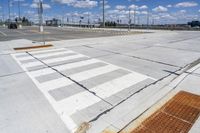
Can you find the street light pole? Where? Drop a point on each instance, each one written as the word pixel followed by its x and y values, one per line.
pixel 103 13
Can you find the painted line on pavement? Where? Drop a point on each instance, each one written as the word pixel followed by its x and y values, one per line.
pixel 3 33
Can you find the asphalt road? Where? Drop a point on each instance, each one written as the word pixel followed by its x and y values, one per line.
pixel 55 33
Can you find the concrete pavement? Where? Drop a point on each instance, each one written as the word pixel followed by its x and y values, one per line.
pixel 105 82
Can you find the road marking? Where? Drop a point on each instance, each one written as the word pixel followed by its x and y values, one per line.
pixel 47 61
pixel 3 33
pixel 79 101
pixel 59 59
pixel 47 71
pixel 70 124
pixel 45 51
pixel 41 72
pixel 25 58
pixel 93 72
pixel 20 32
pixel 32 64
pixel 53 54
pixel 61 82
pixel 45 55
pixel 56 83
pixel 112 87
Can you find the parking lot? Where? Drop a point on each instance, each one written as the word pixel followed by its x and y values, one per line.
pixel 56 33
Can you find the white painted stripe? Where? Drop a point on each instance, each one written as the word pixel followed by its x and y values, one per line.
pixel 61 82
pixel 54 84
pixel 46 71
pixel 62 58
pixel 53 54
pixel 77 64
pixel 42 72
pixel 83 100
pixel 3 33
pixel 32 64
pixel 71 125
pixel 20 32
pixel 45 55
pixel 54 60
pixel 45 51
pixel 77 102
pixel 112 87
pixel 93 72
pixel 28 57
pixel 19 54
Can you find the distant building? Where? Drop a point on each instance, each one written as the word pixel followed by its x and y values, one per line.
pixel 194 23
pixel 53 22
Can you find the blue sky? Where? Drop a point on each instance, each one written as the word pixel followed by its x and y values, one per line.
pixel 159 11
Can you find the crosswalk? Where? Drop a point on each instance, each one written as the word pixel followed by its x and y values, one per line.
pixel 71 87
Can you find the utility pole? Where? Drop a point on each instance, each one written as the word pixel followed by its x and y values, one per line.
pixel 148 19
pixel 63 17
pixel 2 9
pixel 103 13
pixel 88 20
pixel 19 9
pixel 9 11
pixel 138 20
pixel 199 14
pixel 40 12
pixel 134 15
pixel 129 20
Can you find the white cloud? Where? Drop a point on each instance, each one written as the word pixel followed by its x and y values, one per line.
pixel 169 6
pixel 186 4
pixel 85 4
pixel 24 4
pixel 36 1
pixel 182 11
pixel 160 9
pixel 45 6
pixel 133 7
pixel 78 3
pixel 120 7
pixel 144 12
pixel 107 6
pixel 18 0
pixel 143 7
pixel 65 1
